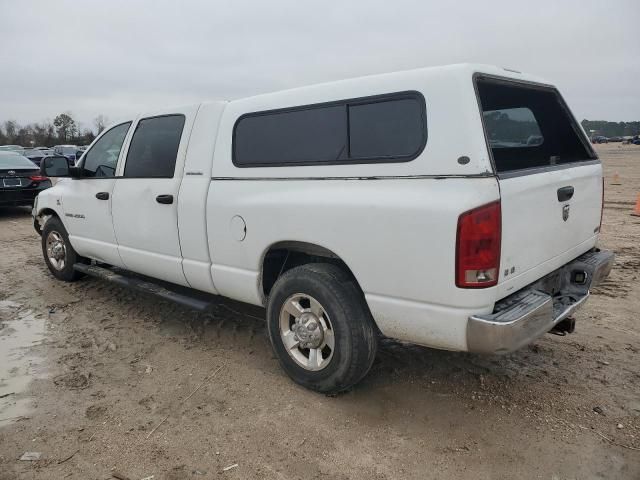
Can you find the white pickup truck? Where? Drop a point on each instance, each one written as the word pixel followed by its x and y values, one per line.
pixel 454 207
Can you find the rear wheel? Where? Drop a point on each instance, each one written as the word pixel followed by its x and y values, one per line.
pixel 320 328
pixel 58 253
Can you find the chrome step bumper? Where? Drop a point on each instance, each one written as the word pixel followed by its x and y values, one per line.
pixel 530 313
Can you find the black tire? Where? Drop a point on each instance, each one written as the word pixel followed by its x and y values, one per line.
pixel 52 228
pixel 354 334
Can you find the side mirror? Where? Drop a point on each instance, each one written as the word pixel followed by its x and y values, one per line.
pixel 55 166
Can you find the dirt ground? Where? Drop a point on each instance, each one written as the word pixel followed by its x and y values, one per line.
pixel 103 382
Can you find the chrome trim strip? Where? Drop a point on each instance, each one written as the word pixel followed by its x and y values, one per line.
pixel 385 177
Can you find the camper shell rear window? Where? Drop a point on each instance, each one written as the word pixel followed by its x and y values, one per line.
pixel 528 126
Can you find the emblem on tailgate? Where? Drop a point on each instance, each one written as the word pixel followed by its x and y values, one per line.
pixel 11 173
pixel 565 212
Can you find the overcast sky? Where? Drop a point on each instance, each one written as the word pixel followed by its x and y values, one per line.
pixel 117 57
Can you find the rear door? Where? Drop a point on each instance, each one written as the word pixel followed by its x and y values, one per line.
pixel 145 196
pixel 550 179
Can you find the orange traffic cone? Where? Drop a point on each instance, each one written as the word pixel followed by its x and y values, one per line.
pixel 636 211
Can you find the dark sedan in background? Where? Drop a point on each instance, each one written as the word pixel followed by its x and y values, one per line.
pixel 37 154
pixel 20 180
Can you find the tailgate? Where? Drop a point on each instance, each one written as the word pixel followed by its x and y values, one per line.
pixel 538 228
pixel 550 179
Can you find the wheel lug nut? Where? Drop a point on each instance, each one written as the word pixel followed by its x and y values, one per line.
pixel 311 326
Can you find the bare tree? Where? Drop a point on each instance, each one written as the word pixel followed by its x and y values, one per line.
pixel 100 122
pixel 11 130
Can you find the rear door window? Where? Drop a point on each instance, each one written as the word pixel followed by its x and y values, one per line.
pixel 154 147
pixel 529 126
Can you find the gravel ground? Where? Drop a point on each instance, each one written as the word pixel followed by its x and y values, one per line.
pixel 105 382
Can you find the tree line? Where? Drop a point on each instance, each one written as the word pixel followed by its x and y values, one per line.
pixel 64 129
pixel 611 129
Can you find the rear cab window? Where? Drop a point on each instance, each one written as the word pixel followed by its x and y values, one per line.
pixel 528 126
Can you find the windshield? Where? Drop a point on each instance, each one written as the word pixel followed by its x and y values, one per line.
pixel 13 160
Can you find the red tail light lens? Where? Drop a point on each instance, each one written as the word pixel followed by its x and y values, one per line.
pixel 38 178
pixel 478 247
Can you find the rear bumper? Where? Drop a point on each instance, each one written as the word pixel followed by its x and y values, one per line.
pixel 530 313
pixel 22 196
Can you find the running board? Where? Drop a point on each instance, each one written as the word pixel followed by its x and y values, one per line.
pixel 144 286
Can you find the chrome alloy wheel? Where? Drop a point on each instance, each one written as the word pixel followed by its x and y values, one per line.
pixel 56 250
pixel 306 332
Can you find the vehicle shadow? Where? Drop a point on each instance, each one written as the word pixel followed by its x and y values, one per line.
pixel 400 371
pixel 237 326
pixel 14 213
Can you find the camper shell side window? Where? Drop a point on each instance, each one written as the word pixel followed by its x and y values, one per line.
pixel 383 128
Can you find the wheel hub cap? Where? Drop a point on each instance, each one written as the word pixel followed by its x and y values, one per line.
pixel 306 332
pixel 56 250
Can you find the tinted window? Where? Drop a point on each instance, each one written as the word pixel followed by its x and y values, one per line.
pixel 101 160
pixel 512 127
pixel 310 136
pixel 384 128
pixel 529 126
pixel 154 147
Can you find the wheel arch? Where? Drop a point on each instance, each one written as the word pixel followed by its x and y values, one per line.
pixel 42 216
pixel 284 255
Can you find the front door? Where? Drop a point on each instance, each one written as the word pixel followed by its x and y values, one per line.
pixel 86 200
pixel 145 196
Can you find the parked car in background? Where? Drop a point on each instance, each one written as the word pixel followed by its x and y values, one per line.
pixel 79 153
pixel 599 139
pixel 20 180
pixel 69 151
pixel 636 140
pixel 615 139
pixel 11 148
pixel 37 154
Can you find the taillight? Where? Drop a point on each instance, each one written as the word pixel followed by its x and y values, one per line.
pixel 38 178
pixel 478 247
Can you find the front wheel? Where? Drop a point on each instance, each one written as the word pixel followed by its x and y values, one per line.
pixel 320 327
pixel 58 253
